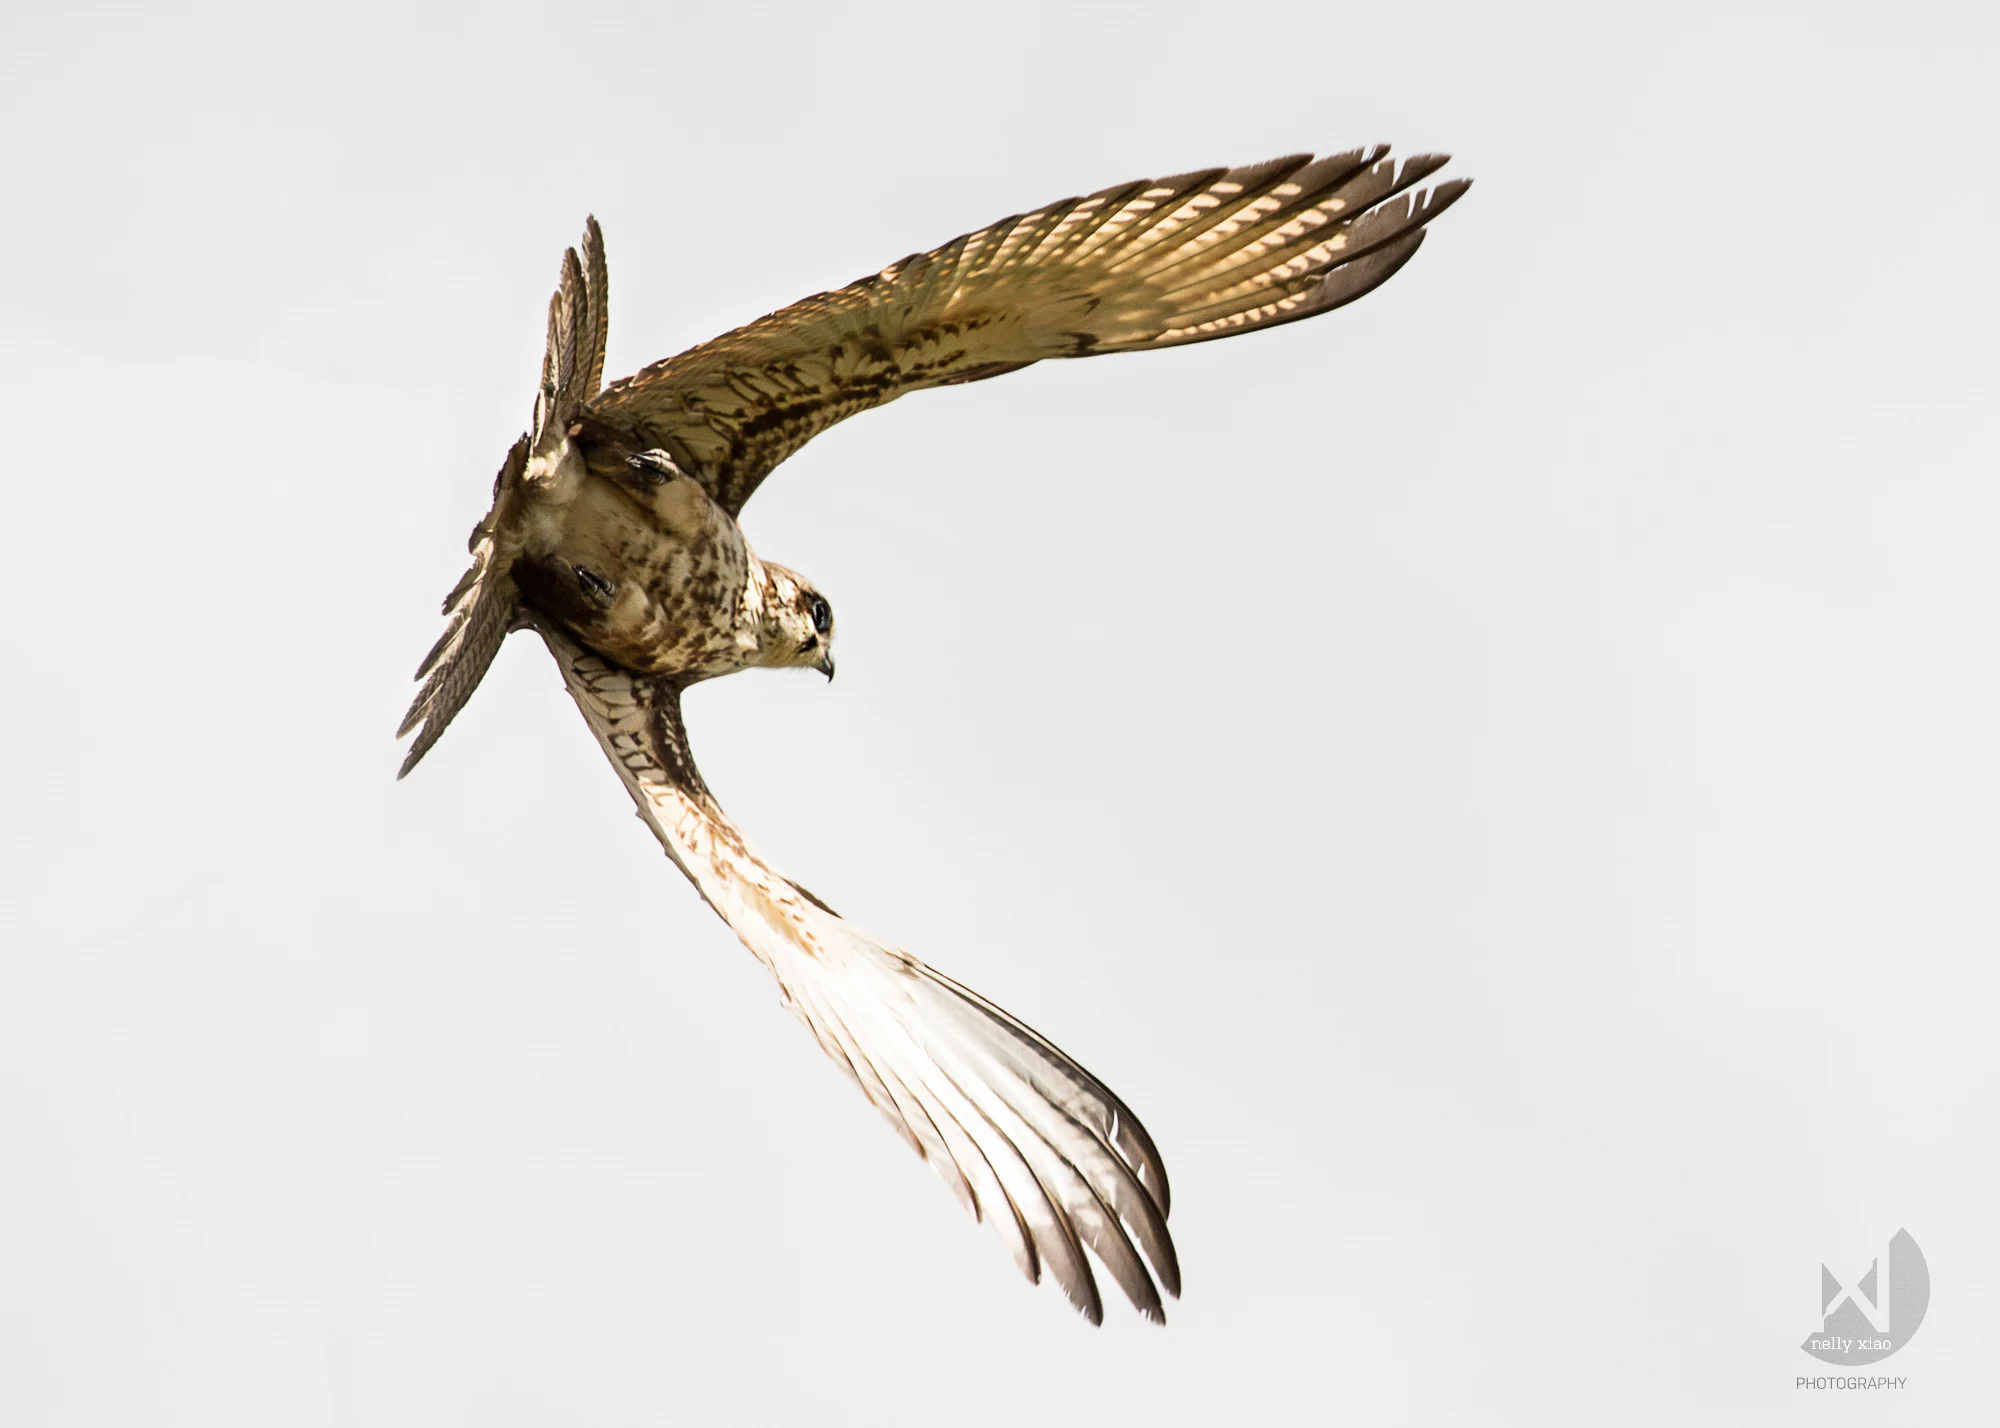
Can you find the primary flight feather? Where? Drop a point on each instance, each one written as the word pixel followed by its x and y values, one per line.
pixel 613 535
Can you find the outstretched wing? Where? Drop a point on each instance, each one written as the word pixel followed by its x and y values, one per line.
pixel 1027 1139
pixel 1154 263
pixel 480 609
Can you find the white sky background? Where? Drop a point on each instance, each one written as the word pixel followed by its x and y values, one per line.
pixel 1502 778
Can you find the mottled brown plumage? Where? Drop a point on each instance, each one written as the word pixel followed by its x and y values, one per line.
pixel 613 534
pixel 1153 263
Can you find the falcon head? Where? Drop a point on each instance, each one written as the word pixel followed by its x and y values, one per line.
pixel 797 630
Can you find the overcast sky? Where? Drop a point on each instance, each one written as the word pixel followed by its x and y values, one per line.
pixel 1501 778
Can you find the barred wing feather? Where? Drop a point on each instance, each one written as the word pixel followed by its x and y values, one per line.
pixel 1025 1138
pixel 1153 263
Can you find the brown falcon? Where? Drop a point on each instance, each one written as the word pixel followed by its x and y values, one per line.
pixel 613 535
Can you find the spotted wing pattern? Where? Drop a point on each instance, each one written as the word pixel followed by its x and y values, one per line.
pixel 481 608
pixel 1026 1139
pixel 1153 263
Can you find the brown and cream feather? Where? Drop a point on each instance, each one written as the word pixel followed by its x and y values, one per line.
pixel 1149 264
pixel 1027 1140
pixel 482 607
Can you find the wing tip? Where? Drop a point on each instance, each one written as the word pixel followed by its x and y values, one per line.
pixel 1090 1306
pixel 1444 196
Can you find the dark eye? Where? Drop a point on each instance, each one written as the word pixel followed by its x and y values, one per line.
pixel 822 614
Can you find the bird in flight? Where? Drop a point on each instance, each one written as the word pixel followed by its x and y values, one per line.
pixel 613 536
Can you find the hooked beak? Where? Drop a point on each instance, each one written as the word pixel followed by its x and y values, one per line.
pixel 825 665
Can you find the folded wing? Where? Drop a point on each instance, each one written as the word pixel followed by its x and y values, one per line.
pixel 1027 1140
pixel 1153 263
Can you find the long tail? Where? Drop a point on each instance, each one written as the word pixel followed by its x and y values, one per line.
pixel 482 607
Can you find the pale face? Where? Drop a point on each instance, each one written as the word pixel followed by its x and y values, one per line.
pixel 798 624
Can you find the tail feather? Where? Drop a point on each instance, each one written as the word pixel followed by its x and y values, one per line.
pixel 481 608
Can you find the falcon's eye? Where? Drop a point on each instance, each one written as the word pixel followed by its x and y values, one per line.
pixel 822 614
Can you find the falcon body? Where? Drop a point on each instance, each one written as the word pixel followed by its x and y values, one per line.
pixel 614 535
pixel 637 561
